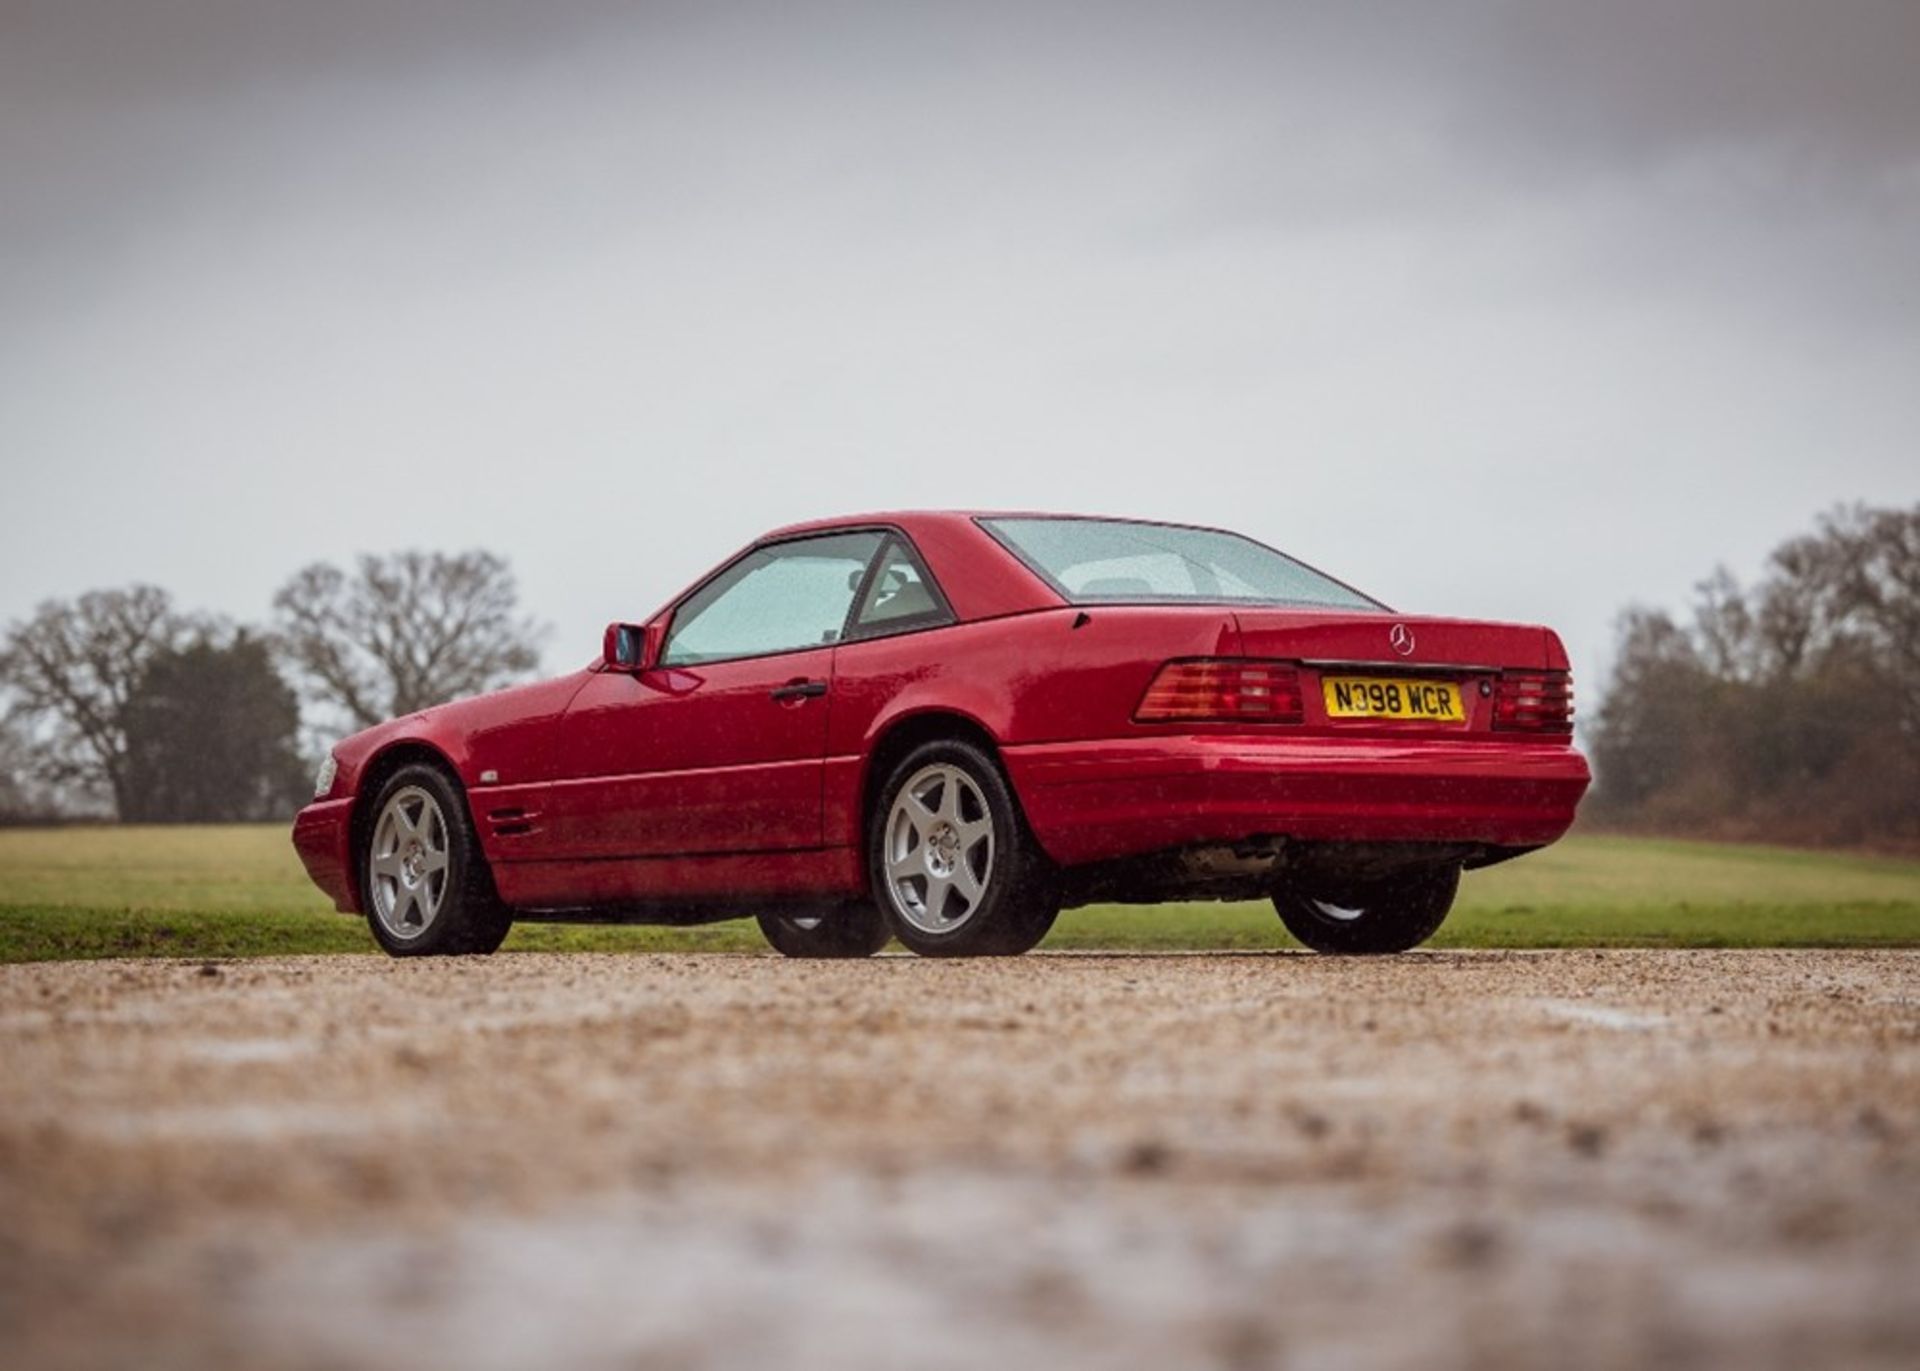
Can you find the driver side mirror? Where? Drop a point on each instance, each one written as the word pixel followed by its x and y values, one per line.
pixel 630 647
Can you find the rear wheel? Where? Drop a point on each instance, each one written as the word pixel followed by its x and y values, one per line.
pixel 1384 914
pixel 853 930
pixel 429 891
pixel 952 863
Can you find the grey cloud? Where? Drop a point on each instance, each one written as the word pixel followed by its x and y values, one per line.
pixel 1430 292
pixel 1826 87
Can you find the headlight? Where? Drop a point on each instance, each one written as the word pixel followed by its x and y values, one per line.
pixel 323 783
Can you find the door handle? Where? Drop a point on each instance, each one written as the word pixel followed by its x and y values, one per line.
pixel 799 689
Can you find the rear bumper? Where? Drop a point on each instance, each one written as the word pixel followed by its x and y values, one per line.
pixel 1093 801
pixel 322 835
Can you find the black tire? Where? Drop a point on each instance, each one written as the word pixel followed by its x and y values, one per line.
pixel 1027 925
pixel 1018 896
pixel 855 929
pixel 1390 914
pixel 467 919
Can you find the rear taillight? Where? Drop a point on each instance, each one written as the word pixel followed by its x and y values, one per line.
pixel 1534 702
pixel 1223 689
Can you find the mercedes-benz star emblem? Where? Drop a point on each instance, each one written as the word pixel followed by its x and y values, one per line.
pixel 1402 639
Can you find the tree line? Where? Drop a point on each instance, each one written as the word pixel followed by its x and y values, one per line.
pixel 1787 710
pixel 119 701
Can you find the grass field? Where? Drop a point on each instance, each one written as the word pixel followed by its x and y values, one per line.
pixel 239 891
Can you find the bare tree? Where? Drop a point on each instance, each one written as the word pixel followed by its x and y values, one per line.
pixel 1725 627
pixel 1852 587
pixel 21 797
pixel 1645 737
pixel 403 632
pixel 74 668
pixel 1788 711
pixel 1875 595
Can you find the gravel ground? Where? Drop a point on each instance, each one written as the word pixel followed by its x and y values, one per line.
pixel 1440 1160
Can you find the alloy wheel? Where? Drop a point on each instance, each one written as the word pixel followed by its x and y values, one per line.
pixel 408 864
pixel 939 849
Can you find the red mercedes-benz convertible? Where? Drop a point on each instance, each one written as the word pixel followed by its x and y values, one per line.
pixel 948 727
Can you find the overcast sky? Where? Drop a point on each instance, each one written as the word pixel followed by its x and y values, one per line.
pixel 1507 309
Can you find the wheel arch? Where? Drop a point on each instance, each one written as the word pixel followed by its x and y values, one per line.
pixel 1029 889
pixel 903 733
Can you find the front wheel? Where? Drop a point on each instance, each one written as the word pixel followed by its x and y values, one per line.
pixel 853 930
pixel 952 863
pixel 429 891
pixel 1388 914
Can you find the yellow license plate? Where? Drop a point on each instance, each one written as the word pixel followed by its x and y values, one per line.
pixel 1367 697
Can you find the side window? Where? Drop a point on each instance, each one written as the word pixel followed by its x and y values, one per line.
pixel 900 597
pixel 775 599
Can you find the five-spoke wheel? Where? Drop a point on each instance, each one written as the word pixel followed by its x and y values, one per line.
pixel 952 863
pixel 428 890
pixel 939 848
pixel 407 864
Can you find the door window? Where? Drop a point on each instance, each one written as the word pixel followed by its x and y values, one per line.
pixel 780 598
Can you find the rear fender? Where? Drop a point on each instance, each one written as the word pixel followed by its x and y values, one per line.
pixel 1054 675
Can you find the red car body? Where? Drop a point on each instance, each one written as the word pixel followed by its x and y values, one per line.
pixel 685 793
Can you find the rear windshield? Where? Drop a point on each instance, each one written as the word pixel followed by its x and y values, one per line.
pixel 1113 561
